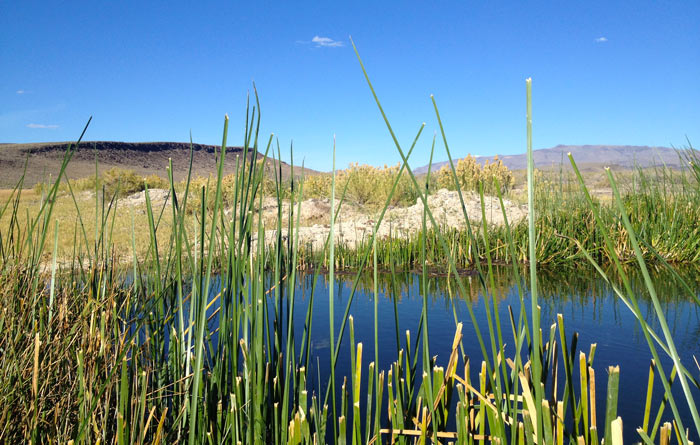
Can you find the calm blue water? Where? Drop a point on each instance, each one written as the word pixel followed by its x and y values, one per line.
pixel 585 300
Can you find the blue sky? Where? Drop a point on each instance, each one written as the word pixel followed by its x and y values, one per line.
pixel 603 73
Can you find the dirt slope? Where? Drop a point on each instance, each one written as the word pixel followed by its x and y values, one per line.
pixel 145 158
pixel 355 224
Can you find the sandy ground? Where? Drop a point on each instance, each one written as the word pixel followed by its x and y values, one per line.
pixel 355 224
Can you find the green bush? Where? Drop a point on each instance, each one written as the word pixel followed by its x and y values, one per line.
pixel 114 180
pixel 470 174
pixel 366 185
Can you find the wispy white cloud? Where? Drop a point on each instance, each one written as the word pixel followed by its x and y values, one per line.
pixel 601 39
pixel 43 126
pixel 20 91
pixel 326 42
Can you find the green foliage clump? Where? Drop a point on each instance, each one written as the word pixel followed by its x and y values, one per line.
pixel 117 180
pixel 317 186
pixel 126 182
pixel 366 185
pixel 470 174
pixel 369 185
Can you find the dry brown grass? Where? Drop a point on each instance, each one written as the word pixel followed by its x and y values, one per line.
pixel 5 194
pixel 71 235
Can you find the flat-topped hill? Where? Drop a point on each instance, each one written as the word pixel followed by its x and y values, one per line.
pixel 145 158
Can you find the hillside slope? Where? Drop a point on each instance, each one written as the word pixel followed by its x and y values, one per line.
pixel 145 158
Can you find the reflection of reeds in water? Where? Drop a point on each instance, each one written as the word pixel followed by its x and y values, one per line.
pixel 88 359
pixel 578 286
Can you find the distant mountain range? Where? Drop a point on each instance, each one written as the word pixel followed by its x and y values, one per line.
pixel 620 156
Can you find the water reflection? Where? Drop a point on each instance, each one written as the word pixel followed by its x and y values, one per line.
pixel 586 301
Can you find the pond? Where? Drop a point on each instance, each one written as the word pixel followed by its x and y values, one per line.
pixel 585 300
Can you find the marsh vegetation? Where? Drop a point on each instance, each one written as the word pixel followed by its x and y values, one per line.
pixel 177 325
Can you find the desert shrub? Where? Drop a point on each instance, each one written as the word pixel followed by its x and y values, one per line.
pixel 120 180
pixel 366 185
pixel 270 188
pixel 228 191
pixel 496 170
pixel 115 179
pixel 126 182
pixel 371 186
pixel 405 191
pixel 364 182
pixel 156 182
pixel 470 173
pixel 40 188
pixel 194 198
pixel 81 184
pixel 317 186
